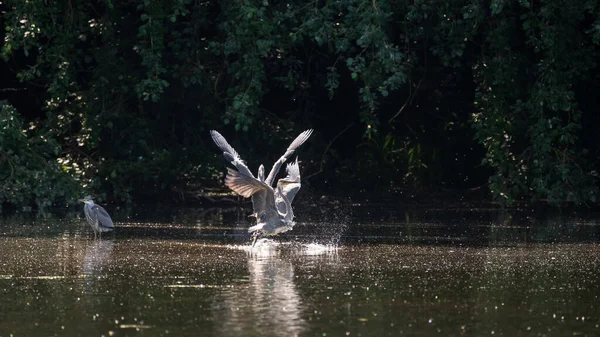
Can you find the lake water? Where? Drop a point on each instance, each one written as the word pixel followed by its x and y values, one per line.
pixel 343 271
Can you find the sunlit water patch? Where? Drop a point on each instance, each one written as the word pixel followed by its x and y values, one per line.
pixel 270 247
pixel 388 273
pixel 319 249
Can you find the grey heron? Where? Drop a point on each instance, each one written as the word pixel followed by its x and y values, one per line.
pixel 272 206
pixel 97 217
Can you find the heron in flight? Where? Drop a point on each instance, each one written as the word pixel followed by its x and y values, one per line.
pixel 97 217
pixel 272 205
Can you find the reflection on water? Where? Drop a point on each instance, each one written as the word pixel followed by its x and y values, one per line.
pixel 413 273
pixel 96 261
pixel 269 304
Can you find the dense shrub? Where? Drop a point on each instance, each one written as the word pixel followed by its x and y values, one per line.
pixel 416 94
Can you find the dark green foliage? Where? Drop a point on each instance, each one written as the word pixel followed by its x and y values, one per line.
pixel 29 172
pixel 528 119
pixel 398 90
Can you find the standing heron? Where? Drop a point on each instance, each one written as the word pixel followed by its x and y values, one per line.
pixel 272 206
pixel 97 217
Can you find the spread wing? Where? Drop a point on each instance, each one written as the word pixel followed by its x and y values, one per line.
pixel 263 198
pixel 293 172
pixel 290 150
pixel 230 153
pixel 104 220
pixel 288 187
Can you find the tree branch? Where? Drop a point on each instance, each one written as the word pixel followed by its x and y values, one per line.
pixel 327 149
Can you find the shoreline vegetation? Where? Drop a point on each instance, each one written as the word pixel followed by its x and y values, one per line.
pixel 438 102
pixel 477 200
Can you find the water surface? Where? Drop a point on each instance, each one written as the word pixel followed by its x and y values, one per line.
pixel 354 272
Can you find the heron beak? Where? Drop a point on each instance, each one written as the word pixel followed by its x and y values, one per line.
pixel 81 200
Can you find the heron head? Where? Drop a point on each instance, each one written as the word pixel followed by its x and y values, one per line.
pixel 87 200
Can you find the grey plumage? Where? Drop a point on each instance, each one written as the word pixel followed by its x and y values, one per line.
pixel 290 150
pixel 230 154
pixel 272 206
pixel 262 195
pixel 289 186
pixel 97 217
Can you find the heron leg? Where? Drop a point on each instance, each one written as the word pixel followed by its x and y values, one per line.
pixel 254 238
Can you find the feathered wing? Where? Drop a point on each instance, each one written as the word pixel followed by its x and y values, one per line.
pixel 290 150
pixel 292 181
pixel 90 215
pixel 263 198
pixel 230 153
pixel 269 205
pixel 104 220
pixel 288 187
pixel 293 171
pixel 283 204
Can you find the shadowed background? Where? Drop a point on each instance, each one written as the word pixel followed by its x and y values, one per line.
pixel 492 100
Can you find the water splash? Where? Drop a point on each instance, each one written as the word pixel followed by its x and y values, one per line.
pixel 270 247
pixel 263 248
pixel 319 249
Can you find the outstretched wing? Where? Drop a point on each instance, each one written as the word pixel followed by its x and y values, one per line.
pixel 288 187
pixel 290 150
pixel 263 198
pixel 293 171
pixel 230 153
pixel 104 220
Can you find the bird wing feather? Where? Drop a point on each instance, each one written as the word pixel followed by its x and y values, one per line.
pixel 288 187
pixel 104 219
pixel 290 150
pixel 230 153
pixel 223 144
pixel 293 171
pixel 263 198
pixel 90 215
